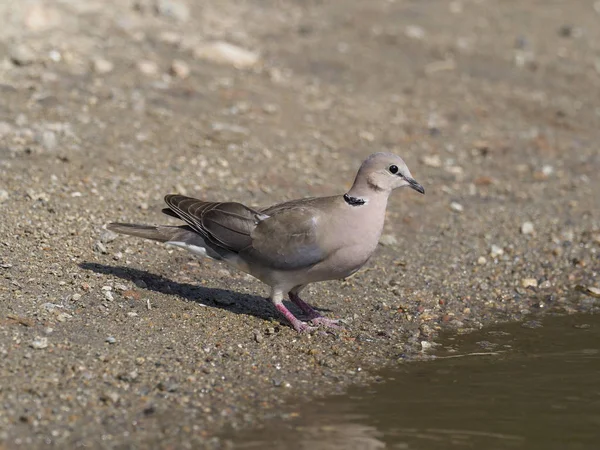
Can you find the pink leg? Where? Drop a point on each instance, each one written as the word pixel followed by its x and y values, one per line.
pixel 298 325
pixel 313 315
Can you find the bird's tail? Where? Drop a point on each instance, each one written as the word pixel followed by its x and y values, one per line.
pixel 155 233
pixel 182 236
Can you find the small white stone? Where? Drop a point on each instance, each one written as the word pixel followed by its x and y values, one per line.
pixel 108 296
pixel 527 228
pixel 388 240
pixel 173 9
pixel 547 170
pixel 414 32
pixel 102 66
pixel 63 317
pixel 147 67
pixel 180 69
pixel 100 247
pixel 593 291
pixel 457 207
pixel 225 53
pixel 481 260
pixel 107 236
pixel 22 55
pixel 496 251
pixel 5 128
pixel 75 297
pixel 366 136
pixel 529 282
pixel 3 195
pixel 432 160
pixel 39 343
pixel 40 17
pixel 48 139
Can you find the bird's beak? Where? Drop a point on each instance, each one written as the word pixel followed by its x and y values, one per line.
pixel 414 185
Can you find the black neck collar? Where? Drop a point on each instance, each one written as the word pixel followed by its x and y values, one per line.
pixel 354 201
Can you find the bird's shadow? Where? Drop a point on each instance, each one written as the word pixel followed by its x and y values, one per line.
pixel 218 298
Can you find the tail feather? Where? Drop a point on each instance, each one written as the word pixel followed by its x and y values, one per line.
pixel 155 233
pixel 182 236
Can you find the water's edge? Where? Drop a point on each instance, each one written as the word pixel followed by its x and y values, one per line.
pixel 520 385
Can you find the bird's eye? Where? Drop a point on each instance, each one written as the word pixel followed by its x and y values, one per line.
pixel 393 169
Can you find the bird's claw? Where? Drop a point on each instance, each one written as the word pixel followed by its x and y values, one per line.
pixel 326 322
pixel 305 328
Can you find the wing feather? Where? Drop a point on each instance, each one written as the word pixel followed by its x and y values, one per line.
pixel 227 225
pixel 288 240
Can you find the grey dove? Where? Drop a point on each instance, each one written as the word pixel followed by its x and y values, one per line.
pixel 291 244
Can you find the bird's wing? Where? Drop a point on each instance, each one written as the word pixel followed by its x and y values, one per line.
pixel 288 240
pixel 227 225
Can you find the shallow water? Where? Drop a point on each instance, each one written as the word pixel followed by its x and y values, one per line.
pixel 517 386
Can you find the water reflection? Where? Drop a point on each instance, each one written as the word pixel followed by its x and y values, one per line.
pixel 517 386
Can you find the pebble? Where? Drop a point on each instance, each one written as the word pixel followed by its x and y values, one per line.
pixel 147 67
pixel 5 128
pixel 527 228
pixel 39 343
pixel 63 317
pixel 432 160
pixel 414 32
pixel 107 236
pixel 388 240
pixel 75 297
pixel 169 37
pixel 457 207
pixel 21 120
pixel 22 55
pixel 258 337
pixel 222 52
pixel 590 290
pixel 102 66
pixel 496 251
pixel 39 18
pixel 100 247
pixel 173 9
pixel 111 396
pixel 366 136
pixel 547 170
pixel 110 340
pixel 3 195
pixel 529 282
pixel 108 295
pixel 47 138
pixel 426 345
pixel 180 69
pixel 481 260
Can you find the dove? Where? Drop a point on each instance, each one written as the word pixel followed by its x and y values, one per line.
pixel 291 244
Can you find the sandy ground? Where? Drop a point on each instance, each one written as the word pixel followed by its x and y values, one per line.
pixel 108 105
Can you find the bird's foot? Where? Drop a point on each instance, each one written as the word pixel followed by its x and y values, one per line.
pixel 326 322
pixel 314 316
pixel 299 326
pixel 303 327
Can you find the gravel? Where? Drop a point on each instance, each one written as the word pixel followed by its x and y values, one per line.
pixel 281 100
